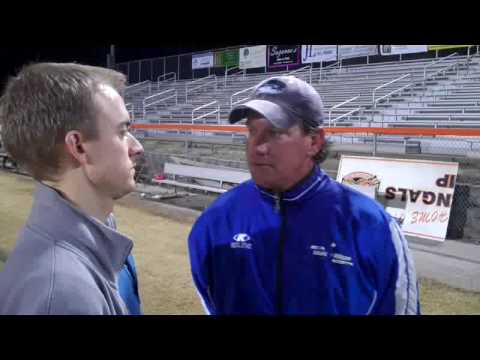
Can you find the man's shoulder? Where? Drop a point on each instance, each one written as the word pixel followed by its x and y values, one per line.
pixel 231 202
pixel 54 282
pixel 359 206
pixel 240 193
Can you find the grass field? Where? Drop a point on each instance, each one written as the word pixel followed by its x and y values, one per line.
pixel 161 254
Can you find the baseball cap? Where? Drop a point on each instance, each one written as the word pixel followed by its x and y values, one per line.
pixel 285 101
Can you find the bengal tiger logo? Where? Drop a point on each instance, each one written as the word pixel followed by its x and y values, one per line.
pixel 361 178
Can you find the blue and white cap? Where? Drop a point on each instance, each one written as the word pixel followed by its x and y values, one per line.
pixel 285 101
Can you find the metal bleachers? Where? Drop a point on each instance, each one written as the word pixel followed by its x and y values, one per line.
pixel 425 90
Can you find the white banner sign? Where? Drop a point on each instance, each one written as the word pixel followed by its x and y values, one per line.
pixel 318 53
pixel 352 51
pixel 402 49
pixel 418 193
pixel 253 57
pixel 202 61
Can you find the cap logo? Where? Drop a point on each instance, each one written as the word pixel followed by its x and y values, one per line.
pixel 271 87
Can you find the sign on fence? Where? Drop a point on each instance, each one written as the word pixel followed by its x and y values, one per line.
pixel 253 56
pixel 402 49
pixel 227 58
pixel 318 53
pixel 283 55
pixel 418 193
pixel 202 61
pixel 352 51
pixel 444 47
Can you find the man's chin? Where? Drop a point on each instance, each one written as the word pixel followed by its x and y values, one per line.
pixel 263 183
pixel 121 194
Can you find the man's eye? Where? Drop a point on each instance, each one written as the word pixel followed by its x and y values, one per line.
pixel 275 134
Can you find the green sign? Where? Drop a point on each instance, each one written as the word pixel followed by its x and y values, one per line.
pixel 228 58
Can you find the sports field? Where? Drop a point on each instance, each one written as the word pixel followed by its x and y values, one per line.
pixel 161 255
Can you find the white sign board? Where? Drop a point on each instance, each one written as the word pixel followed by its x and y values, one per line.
pixel 402 49
pixel 253 57
pixel 202 61
pixel 352 51
pixel 418 193
pixel 318 53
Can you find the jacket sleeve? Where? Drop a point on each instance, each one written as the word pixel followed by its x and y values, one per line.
pixel 200 262
pixel 398 287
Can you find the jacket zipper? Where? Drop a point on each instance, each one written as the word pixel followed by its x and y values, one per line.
pixel 280 206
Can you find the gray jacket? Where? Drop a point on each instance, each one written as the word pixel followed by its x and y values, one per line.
pixel 64 262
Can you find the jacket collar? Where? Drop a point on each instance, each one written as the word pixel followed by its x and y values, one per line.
pixel 303 189
pixel 63 223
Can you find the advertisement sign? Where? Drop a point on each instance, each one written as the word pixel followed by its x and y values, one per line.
pixel 418 193
pixel 318 53
pixel 283 55
pixel 352 51
pixel 253 57
pixel 226 58
pixel 402 49
pixel 202 61
pixel 444 47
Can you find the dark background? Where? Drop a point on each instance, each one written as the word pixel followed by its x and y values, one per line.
pixel 13 58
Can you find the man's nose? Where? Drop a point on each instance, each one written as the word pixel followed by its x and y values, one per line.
pixel 135 149
pixel 261 148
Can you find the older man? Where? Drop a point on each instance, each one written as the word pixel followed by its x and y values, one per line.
pixel 292 241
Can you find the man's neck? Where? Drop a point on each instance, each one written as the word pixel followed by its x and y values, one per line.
pixel 79 191
pixel 307 173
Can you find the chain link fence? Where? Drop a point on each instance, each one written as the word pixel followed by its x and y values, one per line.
pixel 464 223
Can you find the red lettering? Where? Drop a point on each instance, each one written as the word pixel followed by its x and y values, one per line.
pixel 423 217
pixel 443 217
pixel 414 217
pixel 426 217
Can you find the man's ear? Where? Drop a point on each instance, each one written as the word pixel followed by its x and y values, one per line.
pixel 318 141
pixel 74 144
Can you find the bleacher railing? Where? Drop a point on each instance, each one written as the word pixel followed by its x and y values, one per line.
pixel 210 80
pixel 436 62
pixel 159 98
pixel 303 70
pixel 203 116
pixel 343 115
pixel 139 86
pixel 130 109
pixel 167 77
pixel 376 100
pixel 329 67
pixel 247 90
pixel 228 70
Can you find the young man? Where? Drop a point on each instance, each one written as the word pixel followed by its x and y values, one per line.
pixel 67 123
pixel 292 241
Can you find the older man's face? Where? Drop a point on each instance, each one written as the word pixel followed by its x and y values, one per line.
pixel 278 159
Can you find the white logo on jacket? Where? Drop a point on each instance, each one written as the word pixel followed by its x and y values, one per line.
pixel 241 237
pixel 241 241
pixel 334 257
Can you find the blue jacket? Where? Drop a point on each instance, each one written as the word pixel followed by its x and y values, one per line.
pixel 320 248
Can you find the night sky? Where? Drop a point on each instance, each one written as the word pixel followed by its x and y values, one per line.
pixel 12 58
